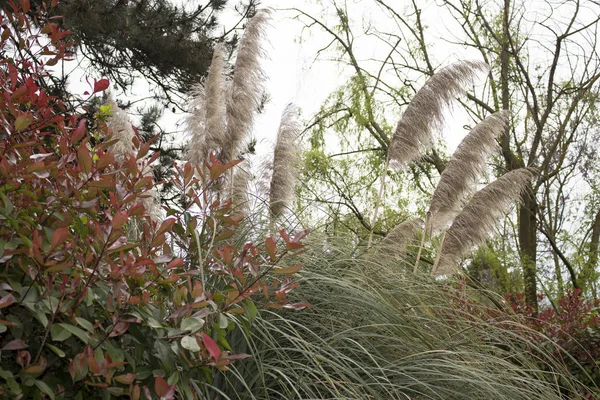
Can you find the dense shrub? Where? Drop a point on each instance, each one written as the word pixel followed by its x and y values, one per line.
pixel 97 297
pixel 573 324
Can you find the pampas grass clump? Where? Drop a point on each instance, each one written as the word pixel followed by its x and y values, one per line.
pixel 387 335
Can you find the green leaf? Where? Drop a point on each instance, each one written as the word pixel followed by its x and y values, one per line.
pixel 85 324
pixel 59 333
pixel 223 322
pixel 251 310
pixel 190 343
pixel 287 270
pixel 56 350
pixel 173 379
pixel 41 316
pixel 192 324
pixel 80 333
pixel 165 354
pixel 44 388
pixel 23 121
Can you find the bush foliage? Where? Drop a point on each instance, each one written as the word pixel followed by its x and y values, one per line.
pixel 97 297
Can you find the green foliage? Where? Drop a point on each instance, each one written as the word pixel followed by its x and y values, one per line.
pixel 169 45
pixel 97 298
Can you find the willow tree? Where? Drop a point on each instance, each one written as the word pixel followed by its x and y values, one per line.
pixel 545 69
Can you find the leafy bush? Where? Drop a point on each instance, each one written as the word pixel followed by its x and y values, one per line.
pixel 573 324
pixel 97 298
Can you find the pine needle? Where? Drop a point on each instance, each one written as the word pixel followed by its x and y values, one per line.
pixel 479 217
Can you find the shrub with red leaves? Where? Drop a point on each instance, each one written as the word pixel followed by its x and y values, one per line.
pixel 574 325
pixel 97 298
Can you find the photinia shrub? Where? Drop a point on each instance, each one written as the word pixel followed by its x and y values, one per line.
pixel 574 325
pixel 97 297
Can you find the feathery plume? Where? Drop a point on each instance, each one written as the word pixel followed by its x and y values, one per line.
pixel 239 189
pixel 196 123
pixel 478 218
pixel 285 159
pixel 424 113
pixel 399 238
pixel 207 119
pixel 464 169
pixel 118 122
pixel 246 87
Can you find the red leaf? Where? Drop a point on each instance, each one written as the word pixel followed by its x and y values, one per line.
pixel 119 219
pixel 211 346
pixel 170 395
pixel 6 301
pixel 23 121
pixel 25 5
pixel 166 225
pixel 17 344
pixel 85 158
pixel 178 262
pixel 125 379
pixel 58 237
pixel 160 386
pixel 101 85
pixel 271 247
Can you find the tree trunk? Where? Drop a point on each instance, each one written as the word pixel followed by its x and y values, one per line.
pixel 528 244
pixel 589 272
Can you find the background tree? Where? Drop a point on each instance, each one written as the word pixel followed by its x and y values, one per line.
pixel 168 44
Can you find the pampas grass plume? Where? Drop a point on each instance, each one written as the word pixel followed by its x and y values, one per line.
pixel 464 168
pixel 207 119
pixel 285 160
pixel 395 243
pixel 479 217
pixel 246 87
pixel 118 122
pixel 413 134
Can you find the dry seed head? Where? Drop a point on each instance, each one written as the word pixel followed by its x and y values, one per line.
pixel 207 119
pixel 479 217
pixel 118 122
pixel 285 161
pixel 246 86
pixel 395 243
pixel 413 134
pixel 464 168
